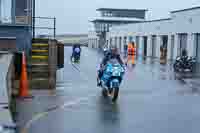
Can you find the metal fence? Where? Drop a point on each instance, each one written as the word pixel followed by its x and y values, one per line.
pixel 44 27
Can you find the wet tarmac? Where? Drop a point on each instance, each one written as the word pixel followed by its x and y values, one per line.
pixel 152 100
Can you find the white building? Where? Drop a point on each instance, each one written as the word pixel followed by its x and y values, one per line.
pixel 109 17
pixel 180 31
pixel 93 40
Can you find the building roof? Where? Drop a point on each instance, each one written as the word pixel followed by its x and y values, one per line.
pixel 114 21
pixel 118 19
pixel 156 20
pixel 129 21
pixel 115 9
pixel 187 9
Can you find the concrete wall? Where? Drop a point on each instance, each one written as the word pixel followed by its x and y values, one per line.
pixel 22 34
pixel 186 21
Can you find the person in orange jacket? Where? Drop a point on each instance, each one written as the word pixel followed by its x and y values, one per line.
pixel 131 53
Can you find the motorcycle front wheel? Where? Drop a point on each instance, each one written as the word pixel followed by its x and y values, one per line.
pixel 104 93
pixel 177 67
pixel 115 94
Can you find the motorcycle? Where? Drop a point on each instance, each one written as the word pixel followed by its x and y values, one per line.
pixel 75 57
pixel 111 79
pixel 184 63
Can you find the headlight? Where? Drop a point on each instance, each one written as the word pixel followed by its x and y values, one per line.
pixel 178 58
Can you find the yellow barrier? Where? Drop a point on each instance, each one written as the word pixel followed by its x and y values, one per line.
pixel 39 51
pixel 42 57
pixel 40 45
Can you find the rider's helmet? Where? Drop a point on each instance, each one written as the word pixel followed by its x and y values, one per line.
pixel 107 53
pixel 75 46
pixel 184 52
pixel 114 50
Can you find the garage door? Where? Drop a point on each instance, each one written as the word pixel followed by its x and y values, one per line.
pixel 182 43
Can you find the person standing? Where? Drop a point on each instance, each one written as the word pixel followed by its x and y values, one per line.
pixel 131 53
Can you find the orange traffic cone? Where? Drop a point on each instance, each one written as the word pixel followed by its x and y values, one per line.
pixel 24 91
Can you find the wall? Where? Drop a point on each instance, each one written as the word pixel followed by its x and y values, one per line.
pixel 146 28
pixel 186 21
pixel 22 33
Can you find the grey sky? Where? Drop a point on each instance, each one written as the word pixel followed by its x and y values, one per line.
pixel 73 15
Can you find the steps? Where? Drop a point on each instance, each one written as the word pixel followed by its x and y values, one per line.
pixel 39 65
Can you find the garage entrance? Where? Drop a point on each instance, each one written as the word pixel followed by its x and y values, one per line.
pixel 120 44
pixel 163 47
pixel 172 47
pixel 182 43
pixel 145 46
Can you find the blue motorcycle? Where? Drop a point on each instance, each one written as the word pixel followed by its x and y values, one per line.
pixel 111 79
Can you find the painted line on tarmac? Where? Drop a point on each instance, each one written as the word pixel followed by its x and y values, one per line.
pixel 49 110
pixel 78 69
pixel 83 75
pixel 65 105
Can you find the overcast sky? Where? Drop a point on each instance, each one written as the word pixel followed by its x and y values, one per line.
pixel 73 15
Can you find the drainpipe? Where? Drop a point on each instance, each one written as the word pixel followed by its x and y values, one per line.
pixel 33 17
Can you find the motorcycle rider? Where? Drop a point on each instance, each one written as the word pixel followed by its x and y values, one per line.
pixel 111 54
pixel 184 53
pixel 105 50
pixel 76 50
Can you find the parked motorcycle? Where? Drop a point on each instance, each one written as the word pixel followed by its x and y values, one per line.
pixel 184 63
pixel 111 79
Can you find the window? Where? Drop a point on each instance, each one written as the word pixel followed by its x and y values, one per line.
pixel 23 11
pixel 5 11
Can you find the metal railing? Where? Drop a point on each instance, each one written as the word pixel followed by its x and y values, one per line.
pixel 51 28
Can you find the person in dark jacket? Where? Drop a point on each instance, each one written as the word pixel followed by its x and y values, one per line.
pixel 74 49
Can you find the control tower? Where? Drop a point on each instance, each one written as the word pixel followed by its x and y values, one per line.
pixel 112 17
